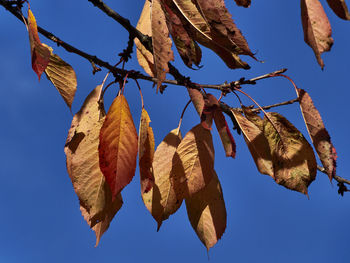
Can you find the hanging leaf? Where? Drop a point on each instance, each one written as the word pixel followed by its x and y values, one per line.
pixel 146 152
pixel 193 162
pixel 144 57
pixel 340 8
pixel 207 213
pixel 318 133
pixel 40 54
pixel 293 159
pixel 118 146
pixel 197 100
pixel 317 29
pixel 83 166
pixel 161 200
pixel 257 144
pixel 245 3
pixel 161 42
pixel 62 76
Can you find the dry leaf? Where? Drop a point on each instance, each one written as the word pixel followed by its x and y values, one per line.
pixel 118 146
pixel 197 99
pixel 317 29
pixel 340 8
pixel 293 159
pixel 245 3
pixel 207 212
pixel 146 152
pixel 318 133
pixel 193 162
pixel 161 200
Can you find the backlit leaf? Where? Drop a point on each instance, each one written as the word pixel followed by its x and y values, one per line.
pixel 118 146
pixel 197 100
pixel 340 8
pixel 207 212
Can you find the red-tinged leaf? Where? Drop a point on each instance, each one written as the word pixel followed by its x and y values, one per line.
pixel 207 212
pixel 118 146
pixel 256 142
pixel 317 29
pixel 245 3
pixel 340 8
pixel 40 54
pixel 208 113
pixel 197 100
pixel 146 152
pixel 318 133
pixel 293 159
pixel 193 162
pixel 161 200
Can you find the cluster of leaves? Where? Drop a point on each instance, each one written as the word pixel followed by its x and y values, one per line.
pixel 102 148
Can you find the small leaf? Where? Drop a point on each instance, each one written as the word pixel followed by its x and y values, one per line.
pixel 197 99
pixel 193 162
pixel 317 29
pixel 118 146
pixel 207 212
pixel 318 133
pixel 40 54
pixel 293 159
pixel 340 8
pixel 146 152
pixel 245 3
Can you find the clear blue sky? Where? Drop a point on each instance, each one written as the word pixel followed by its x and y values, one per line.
pixel 40 216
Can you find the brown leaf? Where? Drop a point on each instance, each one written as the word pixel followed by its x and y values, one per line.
pixel 193 162
pixel 62 76
pixel 317 29
pixel 40 53
pixel 146 152
pixel 340 8
pixel 257 144
pixel 207 212
pixel 161 42
pixel 293 159
pixel 118 146
pixel 245 3
pixel 144 57
pixel 161 200
pixel 318 133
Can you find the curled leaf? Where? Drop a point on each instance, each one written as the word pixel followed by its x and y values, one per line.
pixel 245 3
pixel 340 8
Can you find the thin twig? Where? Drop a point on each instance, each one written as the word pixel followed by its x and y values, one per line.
pixel 336 177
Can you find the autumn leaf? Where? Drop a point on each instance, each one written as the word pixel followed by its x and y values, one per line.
pixel 161 200
pixel 207 212
pixel 161 41
pixel 317 29
pixel 83 166
pixel 293 159
pixel 40 54
pixel 245 3
pixel 256 142
pixel 193 162
pixel 340 8
pixel 197 99
pixel 62 76
pixel 118 146
pixel 318 133
pixel 146 152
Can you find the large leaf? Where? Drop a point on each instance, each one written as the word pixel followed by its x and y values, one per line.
pixel 161 200
pixel 146 152
pixel 256 142
pixel 318 133
pixel 62 76
pixel 83 166
pixel 340 8
pixel 293 159
pixel 317 29
pixel 118 146
pixel 207 213
pixel 193 162
pixel 40 53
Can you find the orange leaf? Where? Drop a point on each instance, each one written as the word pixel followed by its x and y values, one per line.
pixel 318 133
pixel 40 54
pixel 340 8
pixel 118 146
pixel 207 212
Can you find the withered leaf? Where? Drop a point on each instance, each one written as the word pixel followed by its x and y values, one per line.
pixel 146 152
pixel 161 200
pixel 293 159
pixel 340 8
pixel 40 54
pixel 207 212
pixel 318 133
pixel 245 3
pixel 118 146
pixel 317 29
pixel 193 162
pixel 197 99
